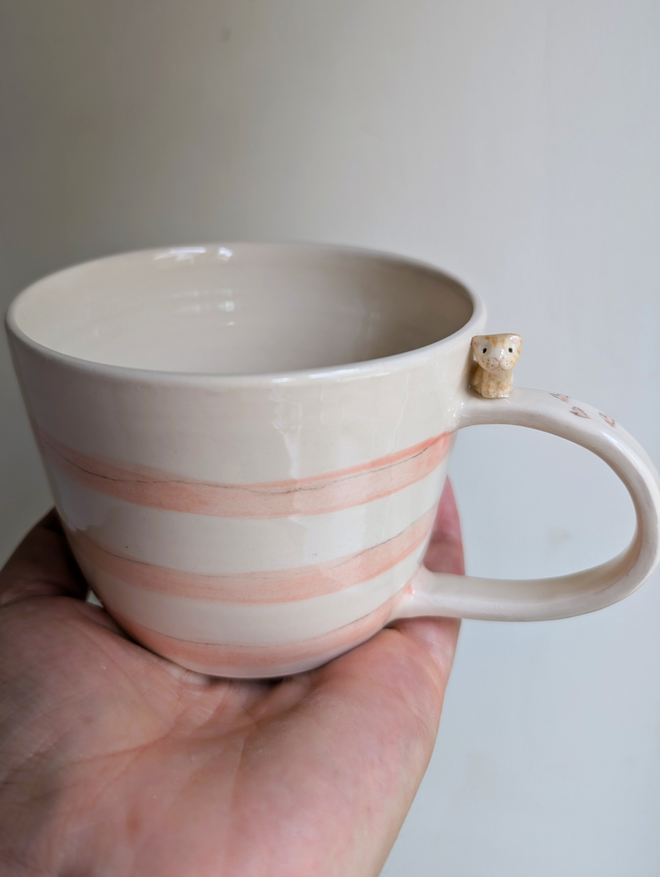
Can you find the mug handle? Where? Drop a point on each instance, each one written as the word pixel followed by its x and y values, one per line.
pixel 431 593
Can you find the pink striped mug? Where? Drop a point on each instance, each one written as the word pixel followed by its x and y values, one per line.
pixel 246 444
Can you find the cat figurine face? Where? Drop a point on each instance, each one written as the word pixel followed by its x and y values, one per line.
pixel 496 352
pixel 496 355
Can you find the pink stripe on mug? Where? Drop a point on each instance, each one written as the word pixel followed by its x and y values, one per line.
pixel 315 495
pixel 272 586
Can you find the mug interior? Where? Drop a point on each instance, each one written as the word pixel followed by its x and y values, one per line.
pixel 242 309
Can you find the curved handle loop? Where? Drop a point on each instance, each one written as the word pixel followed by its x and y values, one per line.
pixel 560 596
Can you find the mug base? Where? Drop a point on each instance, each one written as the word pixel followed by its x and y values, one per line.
pixel 236 661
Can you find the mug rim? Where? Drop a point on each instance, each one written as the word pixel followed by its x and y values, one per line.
pixel 344 371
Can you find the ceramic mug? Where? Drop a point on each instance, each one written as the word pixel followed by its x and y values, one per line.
pixel 247 443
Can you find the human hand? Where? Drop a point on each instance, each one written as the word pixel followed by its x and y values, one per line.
pixel 113 761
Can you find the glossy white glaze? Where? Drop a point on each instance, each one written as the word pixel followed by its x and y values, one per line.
pixel 164 537
pixel 246 443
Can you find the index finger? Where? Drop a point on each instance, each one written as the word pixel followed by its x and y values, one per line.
pixel 42 566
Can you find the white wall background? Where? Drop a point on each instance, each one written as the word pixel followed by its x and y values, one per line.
pixel 516 144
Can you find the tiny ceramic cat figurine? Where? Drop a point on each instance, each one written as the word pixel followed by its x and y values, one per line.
pixel 496 355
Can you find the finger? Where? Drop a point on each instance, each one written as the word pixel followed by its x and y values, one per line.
pixel 426 644
pixel 42 566
pixel 445 551
pixel 438 636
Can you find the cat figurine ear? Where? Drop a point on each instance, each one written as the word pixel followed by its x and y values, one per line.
pixel 495 355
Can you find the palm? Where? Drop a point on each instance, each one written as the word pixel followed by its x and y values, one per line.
pixel 117 762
